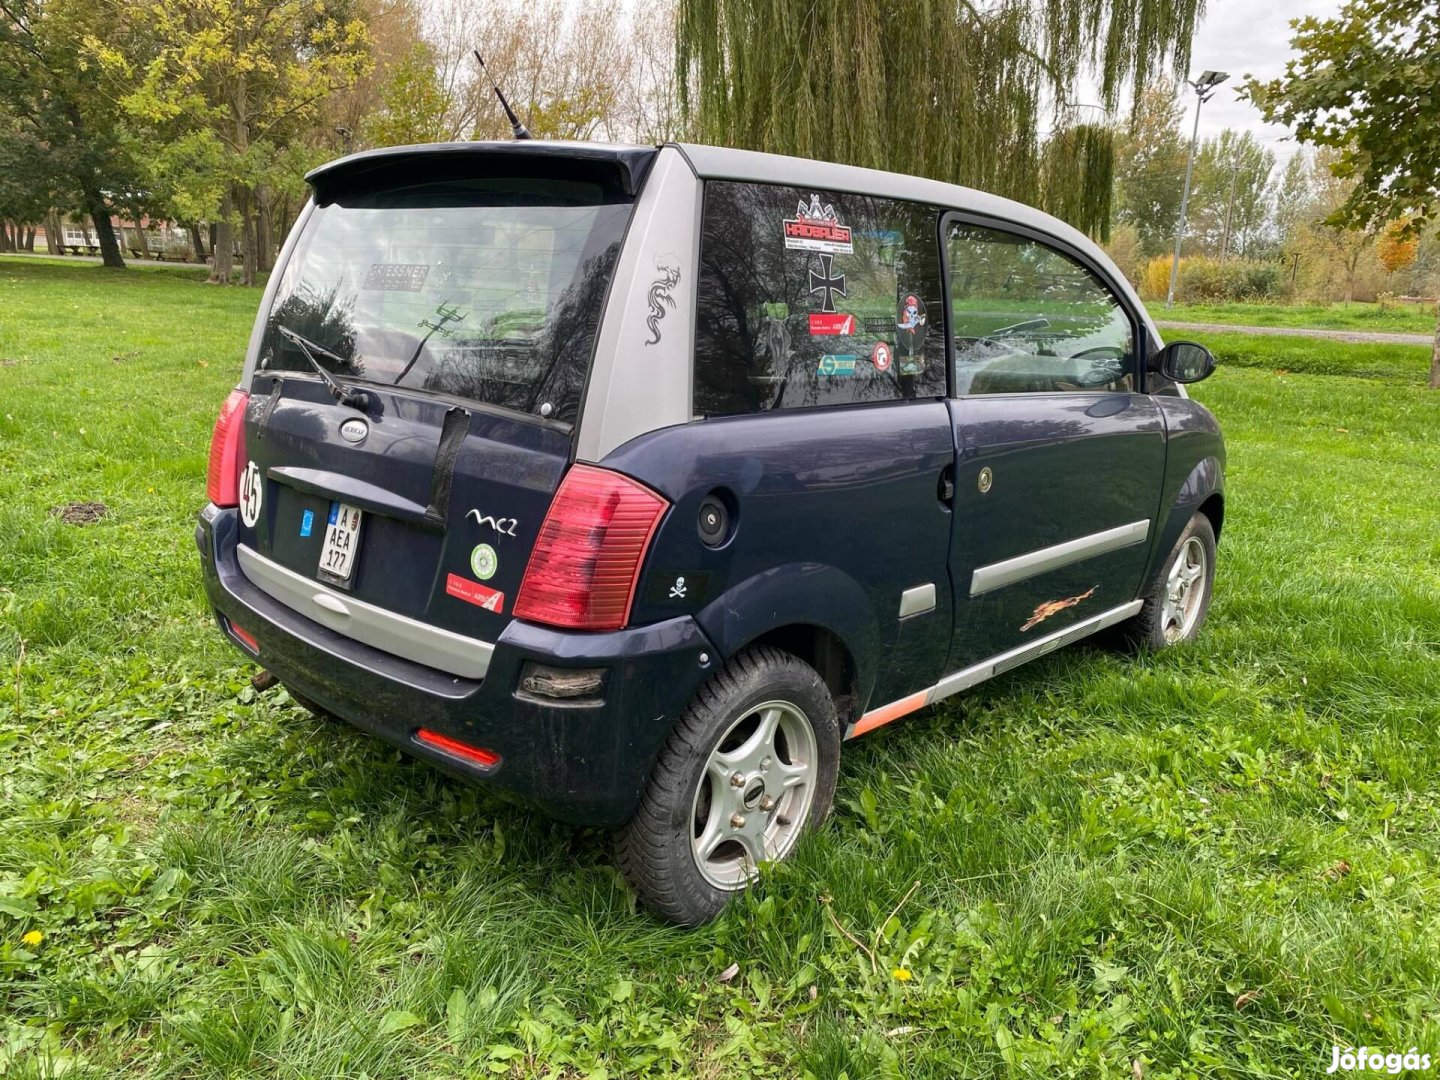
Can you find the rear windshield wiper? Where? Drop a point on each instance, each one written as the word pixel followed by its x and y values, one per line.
pixel 343 393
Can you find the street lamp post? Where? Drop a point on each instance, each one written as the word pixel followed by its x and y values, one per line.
pixel 1204 90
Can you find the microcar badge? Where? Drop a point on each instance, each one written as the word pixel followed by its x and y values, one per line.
pixel 354 429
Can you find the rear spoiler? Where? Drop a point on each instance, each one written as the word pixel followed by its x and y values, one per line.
pixel 622 167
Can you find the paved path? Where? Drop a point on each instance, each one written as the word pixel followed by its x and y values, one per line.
pixel 94 260
pixel 1353 336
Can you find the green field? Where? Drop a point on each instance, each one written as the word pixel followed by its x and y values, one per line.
pixel 1215 862
pixel 1393 318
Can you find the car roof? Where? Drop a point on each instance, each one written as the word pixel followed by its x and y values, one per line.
pixel 723 163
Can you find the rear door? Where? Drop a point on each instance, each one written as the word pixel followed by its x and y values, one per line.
pixel 1059 458
pixel 458 313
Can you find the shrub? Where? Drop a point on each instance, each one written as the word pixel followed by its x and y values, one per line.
pixel 1204 280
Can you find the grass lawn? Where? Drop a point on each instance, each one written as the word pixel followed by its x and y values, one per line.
pixel 1216 862
pixel 1399 365
pixel 1397 318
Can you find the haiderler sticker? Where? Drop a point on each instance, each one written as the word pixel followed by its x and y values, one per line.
pixel 817 228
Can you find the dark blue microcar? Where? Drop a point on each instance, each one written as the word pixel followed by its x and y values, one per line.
pixel 634 481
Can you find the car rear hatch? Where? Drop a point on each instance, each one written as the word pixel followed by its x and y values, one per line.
pixel 451 297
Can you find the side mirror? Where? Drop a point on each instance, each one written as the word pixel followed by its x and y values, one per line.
pixel 1185 361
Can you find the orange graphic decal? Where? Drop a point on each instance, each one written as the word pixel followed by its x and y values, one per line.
pixel 1052 607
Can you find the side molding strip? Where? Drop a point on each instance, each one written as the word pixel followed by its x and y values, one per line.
pixel 986 669
pixel 1033 563
pixel 917 601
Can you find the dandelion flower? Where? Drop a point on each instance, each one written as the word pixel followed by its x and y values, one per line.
pixel 902 974
pixel 33 938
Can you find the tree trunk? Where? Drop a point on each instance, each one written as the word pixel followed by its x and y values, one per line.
pixel 197 242
pixel 223 240
pixel 54 234
pixel 104 233
pixel 247 235
pixel 264 251
pixel 30 239
pixel 141 235
pixel 1435 353
pixel 5 235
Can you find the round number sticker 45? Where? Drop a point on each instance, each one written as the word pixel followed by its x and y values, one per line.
pixel 251 492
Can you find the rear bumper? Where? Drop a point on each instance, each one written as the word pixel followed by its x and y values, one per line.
pixel 583 763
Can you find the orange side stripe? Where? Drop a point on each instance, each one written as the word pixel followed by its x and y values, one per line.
pixel 896 709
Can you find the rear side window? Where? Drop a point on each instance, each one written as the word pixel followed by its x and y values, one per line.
pixel 487 289
pixel 815 298
pixel 1029 319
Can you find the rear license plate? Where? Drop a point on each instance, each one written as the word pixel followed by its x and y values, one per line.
pixel 342 542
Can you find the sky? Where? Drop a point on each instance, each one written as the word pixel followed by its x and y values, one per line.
pixel 1246 37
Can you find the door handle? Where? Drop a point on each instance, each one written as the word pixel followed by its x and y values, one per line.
pixel 945 490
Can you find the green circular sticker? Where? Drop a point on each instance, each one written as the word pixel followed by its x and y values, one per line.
pixel 484 562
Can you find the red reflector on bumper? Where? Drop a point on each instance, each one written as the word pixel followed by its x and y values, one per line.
pixel 477 754
pixel 246 638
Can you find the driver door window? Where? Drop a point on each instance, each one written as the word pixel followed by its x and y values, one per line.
pixel 1028 319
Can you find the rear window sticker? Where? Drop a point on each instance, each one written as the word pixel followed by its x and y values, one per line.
pixel 836 365
pixel 880 356
pixel 659 298
pixel 910 330
pixel 827 283
pixel 817 228
pixel 307 522
pixel 472 592
pixel 877 324
pixel 822 324
pixel 397 277
pixel 251 493
pixel 484 562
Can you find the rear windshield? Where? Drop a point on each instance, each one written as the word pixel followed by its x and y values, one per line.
pixel 488 290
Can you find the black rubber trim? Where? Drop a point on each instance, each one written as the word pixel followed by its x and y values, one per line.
pixel 452 438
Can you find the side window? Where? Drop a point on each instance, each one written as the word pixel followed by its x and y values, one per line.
pixel 815 298
pixel 1027 319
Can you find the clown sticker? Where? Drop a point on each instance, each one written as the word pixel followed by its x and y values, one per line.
pixel 910 331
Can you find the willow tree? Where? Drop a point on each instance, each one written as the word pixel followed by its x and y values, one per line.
pixel 959 91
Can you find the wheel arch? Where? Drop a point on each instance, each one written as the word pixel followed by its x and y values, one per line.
pixel 1214 509
pixel 815 612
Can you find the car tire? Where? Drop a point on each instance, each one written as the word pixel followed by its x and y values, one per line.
pixel 1176 606
pixel 722 788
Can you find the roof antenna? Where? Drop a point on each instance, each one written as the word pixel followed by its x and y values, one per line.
pixel 515 125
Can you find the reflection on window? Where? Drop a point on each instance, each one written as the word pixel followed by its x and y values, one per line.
pixel 815 298
pixel 1027 319
pixel 488 290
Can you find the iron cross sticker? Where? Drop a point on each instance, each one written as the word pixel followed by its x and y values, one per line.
pixel 827 282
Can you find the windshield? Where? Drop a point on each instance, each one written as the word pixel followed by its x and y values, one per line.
pixel 483 289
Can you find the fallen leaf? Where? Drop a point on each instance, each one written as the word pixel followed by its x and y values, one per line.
pixel 1246 998
pixel 814 991
pixel 904 1029
pixel 1338 871
pixel 1137 1070
pixel 729 973
pixel 1343 430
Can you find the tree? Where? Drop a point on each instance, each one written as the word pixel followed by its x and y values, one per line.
pixel 56 105
pixel 1397 247
pixel 236 82
pixel 1230 201
pixel 954 92
pixel 1367 82
pixel 1150 156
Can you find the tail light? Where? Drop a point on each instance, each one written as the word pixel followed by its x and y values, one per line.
pixel 583 570
pixel 227 445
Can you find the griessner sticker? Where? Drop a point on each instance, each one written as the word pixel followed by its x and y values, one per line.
pixel 817 228
pixel 251 492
